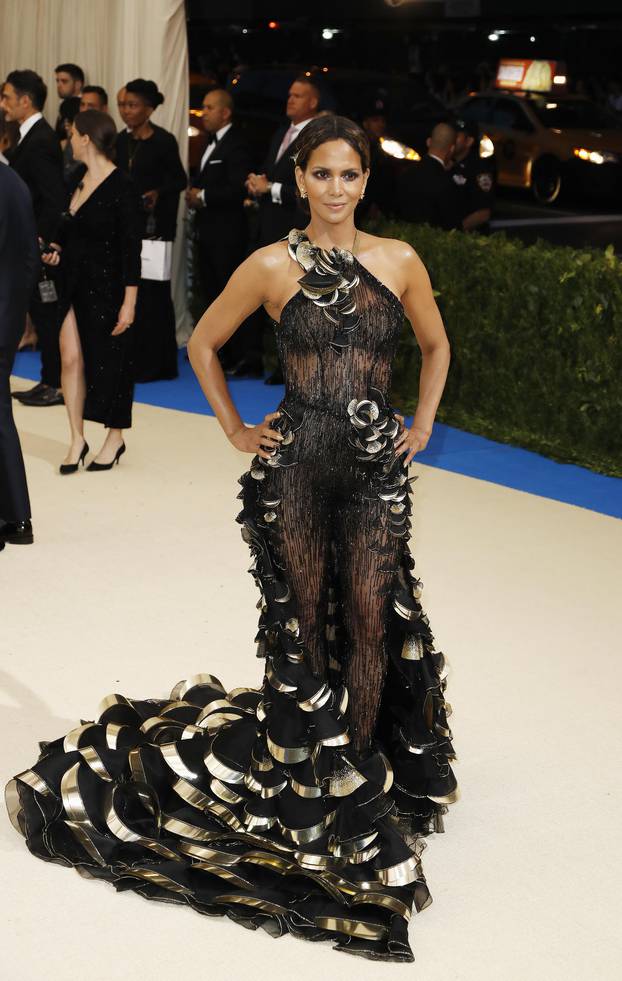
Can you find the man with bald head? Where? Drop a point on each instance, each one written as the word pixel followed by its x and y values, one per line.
pixel 426 192
pixel 217 196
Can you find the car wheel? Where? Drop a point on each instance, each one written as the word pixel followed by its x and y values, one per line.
pixel 546 180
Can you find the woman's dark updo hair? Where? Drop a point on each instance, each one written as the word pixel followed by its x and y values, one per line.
pixel 147 90
pixel 323 129
pixel 69 109
pixel 100 129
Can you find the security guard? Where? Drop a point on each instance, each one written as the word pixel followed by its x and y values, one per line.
pixel 425 190
pixel 474 177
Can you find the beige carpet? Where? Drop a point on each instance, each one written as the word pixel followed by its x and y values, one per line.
pixel 138 579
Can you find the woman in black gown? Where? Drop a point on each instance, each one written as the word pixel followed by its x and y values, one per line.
pixel 300 806
pixel 151 156
pixel 99 235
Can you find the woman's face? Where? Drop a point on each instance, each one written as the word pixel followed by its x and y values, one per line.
pixel 136 111
pixel 79 143
pixel 334 180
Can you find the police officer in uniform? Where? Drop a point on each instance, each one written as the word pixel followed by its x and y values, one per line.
pixel 425 191
pixel 475 178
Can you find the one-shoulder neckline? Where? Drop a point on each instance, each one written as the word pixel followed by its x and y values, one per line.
pixel 386 289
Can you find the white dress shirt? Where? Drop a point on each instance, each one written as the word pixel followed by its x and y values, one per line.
pixel 208 152
pixel 275 190
pixel 27 125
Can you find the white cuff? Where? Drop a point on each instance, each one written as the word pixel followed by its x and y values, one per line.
pixel 275 192
pixel 201 196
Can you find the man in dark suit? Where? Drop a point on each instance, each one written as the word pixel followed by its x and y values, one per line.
pixel 275 187
pixel 37 159
pixel 217 194
pixel 19 265
pixel 426 192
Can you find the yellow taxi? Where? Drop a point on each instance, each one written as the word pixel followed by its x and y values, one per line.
pixel 545 138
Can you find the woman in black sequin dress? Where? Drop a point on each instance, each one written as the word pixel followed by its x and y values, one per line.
pixel 300 805
pixel 100 241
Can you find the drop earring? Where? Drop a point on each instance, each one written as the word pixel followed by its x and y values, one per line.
pixel 303 193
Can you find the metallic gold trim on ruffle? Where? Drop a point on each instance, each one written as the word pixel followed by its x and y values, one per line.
pixel 231 877
pixel 267 792
pixel 157 879
pixel 205 854
pixel 71 796
pixel 288 754
pixel 342 739
pixel 221 771
pixel 381 899
pixel 34 781
pixel 346 781
pixel 253 821
pixel 401 874
pixel 354 928
pixel 260 904
pixel 82 835
pixel 183 829
pixel 225 793
pixel 71 742
pixel 302 836
pixel 189 793
pixel 171 756
pixel 93 759
pixel 196 681
pixel 276 683
pixel 110 701
pixel 316 701
pixel 304 791
pixel 447 798
pixel 345 849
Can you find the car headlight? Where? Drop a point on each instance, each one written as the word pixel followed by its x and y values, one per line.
pixel 596 156
pixel 486 147
pixel 399 150
pixel 193 131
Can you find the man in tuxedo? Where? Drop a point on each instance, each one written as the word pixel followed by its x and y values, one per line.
pixel 426 192
pixel 37 159
pixel 19 266
pixel 217 195
pixel 275 186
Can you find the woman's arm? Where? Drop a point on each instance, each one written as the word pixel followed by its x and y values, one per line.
pixel 423 313
pixel 247 289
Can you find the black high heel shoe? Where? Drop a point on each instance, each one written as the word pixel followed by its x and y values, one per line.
pixel 72 467
pixel 107 466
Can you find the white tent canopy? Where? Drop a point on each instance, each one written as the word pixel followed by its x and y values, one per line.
pixel 112 41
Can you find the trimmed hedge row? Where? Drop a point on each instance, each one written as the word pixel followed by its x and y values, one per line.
pixel 535 336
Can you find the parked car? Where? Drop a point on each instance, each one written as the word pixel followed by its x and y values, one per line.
pixel 545 141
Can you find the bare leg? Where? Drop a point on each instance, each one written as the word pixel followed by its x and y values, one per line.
pixel 73 383
pixel 114 439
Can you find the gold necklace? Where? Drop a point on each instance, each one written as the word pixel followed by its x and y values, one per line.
pixel 356 235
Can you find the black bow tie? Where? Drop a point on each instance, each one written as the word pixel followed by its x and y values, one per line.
pixel 211 138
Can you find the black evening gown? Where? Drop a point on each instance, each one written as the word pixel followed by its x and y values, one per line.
pixel 155 165
pixel 301 805
pixel 101 256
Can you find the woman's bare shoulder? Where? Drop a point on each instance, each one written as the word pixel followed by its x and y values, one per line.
pixel 394 250
pixel 269 259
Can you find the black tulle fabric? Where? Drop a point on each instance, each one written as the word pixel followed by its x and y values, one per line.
pixel 299 805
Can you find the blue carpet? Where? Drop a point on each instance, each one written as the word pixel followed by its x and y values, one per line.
pixel 448 449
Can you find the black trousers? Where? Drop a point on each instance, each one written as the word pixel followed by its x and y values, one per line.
pixel 46 318
pixel 14 500
pixel 215 267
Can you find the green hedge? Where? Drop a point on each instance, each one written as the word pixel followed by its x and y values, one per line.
pixel 535 336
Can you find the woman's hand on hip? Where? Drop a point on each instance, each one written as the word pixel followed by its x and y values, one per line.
pixel 410 441
pixel 253 439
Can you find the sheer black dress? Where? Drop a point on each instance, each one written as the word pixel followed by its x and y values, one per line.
pixel 300 805
pixel 101 256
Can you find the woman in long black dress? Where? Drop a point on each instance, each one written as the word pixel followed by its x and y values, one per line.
pixel 100 244
pixel 151 156
pixel 301 805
